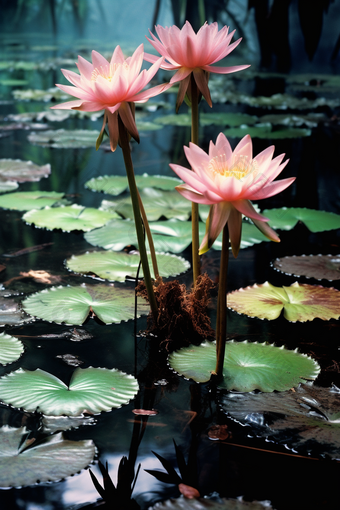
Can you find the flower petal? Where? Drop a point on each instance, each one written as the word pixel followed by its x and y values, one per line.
pixel 128 120
pixel 235 230
pixel 112 120
pixel 273 188
pixel 217 218
pixel 266 230
pixel 202 84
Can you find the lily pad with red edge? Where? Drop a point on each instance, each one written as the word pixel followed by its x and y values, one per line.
pixel 90 391
pixel 286 218
pixel 320 267
pixel 73 305
pixel 115 266
pixel 25 461
pixel 11 349
pixel 299 302
pixel 247 366
pixel 68 218
pixel 22 171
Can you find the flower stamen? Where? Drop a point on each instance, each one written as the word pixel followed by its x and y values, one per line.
pixel 239 169
pixel 107 72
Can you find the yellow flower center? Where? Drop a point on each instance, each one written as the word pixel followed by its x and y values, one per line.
pixel 107 71
pixel 240 168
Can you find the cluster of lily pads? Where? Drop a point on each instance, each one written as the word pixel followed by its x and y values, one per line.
pixel 248 366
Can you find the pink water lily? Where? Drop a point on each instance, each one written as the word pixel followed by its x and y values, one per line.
pixel 228 180
pixel 187 52
pixel 111 86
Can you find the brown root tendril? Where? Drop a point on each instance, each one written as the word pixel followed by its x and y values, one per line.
pixel 182 314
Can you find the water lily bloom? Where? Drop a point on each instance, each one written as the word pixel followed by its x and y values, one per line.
pixel 228 180
pixel 111 86
pixel 189 53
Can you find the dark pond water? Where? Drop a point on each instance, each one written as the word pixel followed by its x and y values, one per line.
pixel 239 464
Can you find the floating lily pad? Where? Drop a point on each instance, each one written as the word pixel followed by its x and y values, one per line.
pixel 277 101
pixel 207 119
pixel 68 218
pixel 53 424
pixel 53 115
pixel 320 267
pixel 306 419
pixel 172 235
pixel 266 131
pixel 247 366
pixel 299 302
pixel 91 391
pixel 72 305
pixel 23 463
pixel 22 171
pixel 116 184
pixel 65 139
pixel 12 82
pixel 10 349
pixel 116 266
pixel 286 218
pixel 40 95
pixel 6 186
pixel 26 200
pixel 310 119
pixel 205 503
pixel 11 313
pixel 169 204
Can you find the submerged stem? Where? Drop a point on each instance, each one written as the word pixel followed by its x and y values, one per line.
pixel 194 207
pixel 221 321
pixel 124 142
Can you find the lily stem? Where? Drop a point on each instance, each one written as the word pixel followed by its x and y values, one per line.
pixel 149 236
pixel 124 142
pixel 196 266
pixel 221 321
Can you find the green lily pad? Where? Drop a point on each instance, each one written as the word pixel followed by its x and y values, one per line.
pixel 22 171
pixel 91 391
pixel 53 115
pixel 116 184
pixel 310 119
pixel 247 366
pixel 207 119
pixel 65 138
pixel 116 266
pixel 26 200
pixel 157 204
pixel 72 305
pixel 40 95
pixel 311 266
pixel 277 101
pixel 299 302
pixel 266 131
pixel 286 218
pixel 23 463
pixel 12 82
pixel 168 236
pixel 10 349
pixel 68 218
